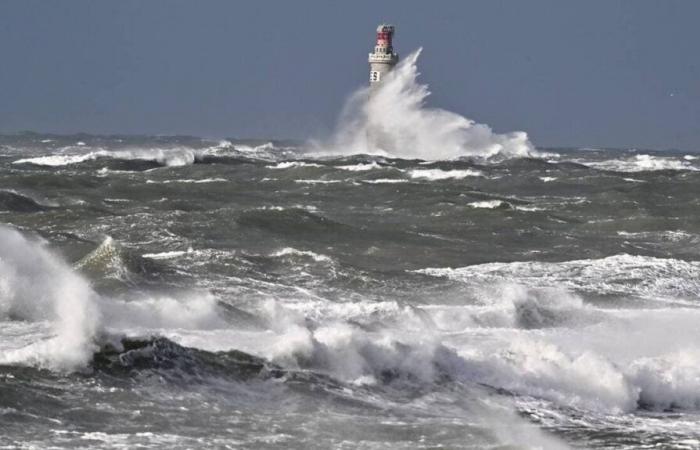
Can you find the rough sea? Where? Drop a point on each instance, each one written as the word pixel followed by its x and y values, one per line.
pixel 178 292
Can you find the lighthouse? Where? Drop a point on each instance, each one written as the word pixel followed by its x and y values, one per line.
pixel 381 61
pixel 383 58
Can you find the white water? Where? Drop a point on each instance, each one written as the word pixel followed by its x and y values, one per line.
pixel 489 204
pixel 361 167
pixel 544 343
pixel 439 174
pixel 385 181
pixel 396 121
pixel 189 180
pixel 52 318
pixel 643 163
pixel 169 157
pixel 287 251
pixel 293 164
pixel 36 286
pixel 172 157
pixel 654 279
pixel 522 328
pixel 516 329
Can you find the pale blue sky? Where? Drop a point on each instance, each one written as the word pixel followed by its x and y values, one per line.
pixel 586 73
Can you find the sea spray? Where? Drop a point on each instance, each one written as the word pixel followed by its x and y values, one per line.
pixel 35 285
pixel 394 120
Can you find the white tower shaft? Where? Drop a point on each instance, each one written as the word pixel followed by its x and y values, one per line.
pixel 383 58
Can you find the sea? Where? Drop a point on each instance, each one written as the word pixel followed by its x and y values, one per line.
pixel 415 281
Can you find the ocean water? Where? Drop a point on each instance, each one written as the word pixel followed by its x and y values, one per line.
pixel 413 283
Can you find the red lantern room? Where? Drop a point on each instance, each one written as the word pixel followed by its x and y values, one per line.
pixel 385 34
pixel 383 58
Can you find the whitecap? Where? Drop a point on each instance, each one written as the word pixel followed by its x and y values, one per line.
pixel 641 163
pixel 439 174
pixel 385 181
pixel 293 164
pixel 287 251
pixel 317 181
pixel 361 167
pixel 489 204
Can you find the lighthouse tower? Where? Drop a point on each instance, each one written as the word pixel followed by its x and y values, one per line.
pixel 383 59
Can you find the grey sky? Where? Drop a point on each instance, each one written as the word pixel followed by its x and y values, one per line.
pixel 586 73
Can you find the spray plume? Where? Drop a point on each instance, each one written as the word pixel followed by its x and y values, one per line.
pixel 395 121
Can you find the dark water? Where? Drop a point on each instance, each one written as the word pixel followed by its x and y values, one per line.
pixel 183 293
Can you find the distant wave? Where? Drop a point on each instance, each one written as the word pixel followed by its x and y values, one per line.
pixel 361 167
pixel 438 174
pixel 288 251
pixel 490 204
pixel 171 157
pixel 644 163
pixel 293 164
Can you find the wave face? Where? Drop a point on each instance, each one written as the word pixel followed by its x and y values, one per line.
pixel 395 121
pixel 184 293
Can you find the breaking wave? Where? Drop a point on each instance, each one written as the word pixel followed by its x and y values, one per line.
pixel 413 345
pixel 439 174
pixel 645 163
pixel 490 204
pixel 394 120
pixel 139 158
pixel 365 343
pixel 169 157
pixel 37 286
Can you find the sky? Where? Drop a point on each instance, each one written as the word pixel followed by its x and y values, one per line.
pixel 595 73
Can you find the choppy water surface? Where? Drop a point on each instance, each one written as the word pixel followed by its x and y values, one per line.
pixel 177 292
